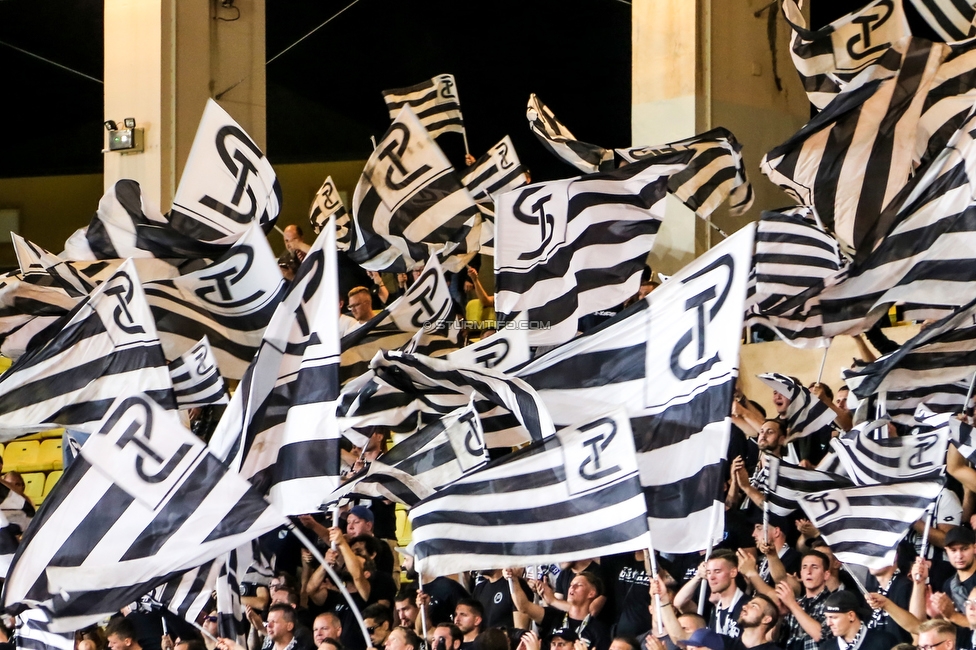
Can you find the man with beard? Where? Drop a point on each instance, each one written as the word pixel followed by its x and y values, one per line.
pixel 469 617
pixel 770 441
pixel 721 571
pixel 846 622
pixel 962 556
pixel 759 615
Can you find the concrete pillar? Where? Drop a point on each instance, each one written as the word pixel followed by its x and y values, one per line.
pixel 163 60
pixel 699 64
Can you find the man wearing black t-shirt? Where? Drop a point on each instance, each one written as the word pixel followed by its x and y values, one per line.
pixel 469 618
pixel 630 585
pixel 583 590
pixel 440 598
pixel 495 595
pixel 846 621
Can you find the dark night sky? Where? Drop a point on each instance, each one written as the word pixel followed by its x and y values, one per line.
pixel 324 95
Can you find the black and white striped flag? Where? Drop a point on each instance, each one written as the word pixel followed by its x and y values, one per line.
pixel 671 360
pixel 943 352
pixel 868 461
pixel 227 183
pixel 409 205
pixel 806 415
pixel 230 301
pixel 523 412
pixel 950 19
pixel 326 204
pixel 280 429
pixel 568 248
pixel 496 172
pixel 555 137
pixel 424 462
pixel 128 225
pixel 863 525
pixel 144 502
pixel 828 58
pixel 33 633
pixel 426 304
pixel 196 381
pixel 30 257
pixel 108 347
pixel 787 483
pixel 230 613
pixel 574 495
pixel 188 594
pixel 961 436
pixel 26 309
pixel 8 544
pixel 715 172
pixel 434 101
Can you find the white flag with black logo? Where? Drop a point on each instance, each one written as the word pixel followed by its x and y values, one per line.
pixel 574 495
pixel 435 102
pixel 326 204
pixel 870 461
pixel 409 205
pixel 498 171
pixel 196 380
pixel 229 301
pixel 568 248
pixel 505 349
pixel 280 427
pixel 108 347
pixel 227 183
pixel 424 462
pixel 671 360
pixel 145 501
pixel 426 304
pixel 863 525
pixel 555 137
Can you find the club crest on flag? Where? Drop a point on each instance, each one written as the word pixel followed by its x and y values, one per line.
pixel 873 32
pixel 825 507
pixel 468 440
pixel 122 288
pixel 229 290
pixel 598 453
pixel 406 160
pixel 428 298
pixel 538 223
pixel 149 467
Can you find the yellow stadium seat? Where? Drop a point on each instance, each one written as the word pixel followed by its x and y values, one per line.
pixel 50 481
pixel 21 456
pixel 49 457
pixel 34 486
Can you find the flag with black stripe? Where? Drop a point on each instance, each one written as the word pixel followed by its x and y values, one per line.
pixel 715 172
pixel 328 203
pixel 863 525
pixel 671 360
pixel 825 62
pixel 144 502
pixel 8 543
pixel 786 484
pixel 870 461
pixel 227 183
pixel 574 495
pixel 230 301
pixel 950 19
pixel 128 225
pixel 107 347
pixel 555 137
pixel 409 205
pixel 188 594
pixel 27 309
pixel 568 248
pixel 496 172
pixel 279 429
pixel 434 101
pixel 32 633
pixel 196 381
pixel 424 462
pixel 426 305
pixel 943 352
pixel 807 415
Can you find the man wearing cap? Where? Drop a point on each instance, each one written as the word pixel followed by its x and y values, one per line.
pixel 361 521
pixel 806 623
pixel 952 602
pixel 846 622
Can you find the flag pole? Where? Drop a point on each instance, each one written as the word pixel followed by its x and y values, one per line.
pixel 823 362
pixel 857 580
pixel 969 393
pixel 464 134
pixel 335 579
pixel 766 522
pixel 925 533
pixel 423 613
pixel 708 551
pixel 335 520
pixel 652 565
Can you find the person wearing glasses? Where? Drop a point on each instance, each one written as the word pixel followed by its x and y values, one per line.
pixel 937 634
pixel 847 623
pixel 379 623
